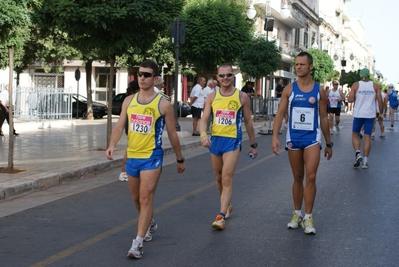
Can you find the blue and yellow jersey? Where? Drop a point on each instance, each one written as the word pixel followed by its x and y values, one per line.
pixel 227 115
pixel 146 124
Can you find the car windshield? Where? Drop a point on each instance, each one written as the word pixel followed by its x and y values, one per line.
pixel 80 98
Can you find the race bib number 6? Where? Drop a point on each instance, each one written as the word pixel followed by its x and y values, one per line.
pixel 141 123
pixel 225 117
pixel 303 118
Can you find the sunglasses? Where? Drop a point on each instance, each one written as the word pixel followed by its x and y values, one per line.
pixel 145 74
pixel 228 75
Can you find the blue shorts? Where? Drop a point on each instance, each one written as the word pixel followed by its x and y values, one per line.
pixel 359 122
pixel 298 145
pixel 135 166
pixel 221 145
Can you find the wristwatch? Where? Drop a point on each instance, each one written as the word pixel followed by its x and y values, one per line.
pixel 330 145
pixel 181 160
pixel 254 145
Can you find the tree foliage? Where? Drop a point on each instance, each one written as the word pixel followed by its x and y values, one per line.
pixel 260 57
pixel 111 28
pixel 323 66
pixel 217 31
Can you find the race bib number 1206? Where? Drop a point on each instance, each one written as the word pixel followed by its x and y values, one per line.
pixel 225 117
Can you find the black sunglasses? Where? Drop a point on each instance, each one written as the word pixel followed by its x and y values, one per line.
pixel 228 75
pixel 145 74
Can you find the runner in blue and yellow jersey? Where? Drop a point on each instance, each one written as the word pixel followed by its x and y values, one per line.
pixel 147 113
pixel 228 106
pixel 306 103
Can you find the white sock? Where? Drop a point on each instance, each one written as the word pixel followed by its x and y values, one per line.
pixel 307 216
pixel 298 212
pixel 140 239
pixel 364 159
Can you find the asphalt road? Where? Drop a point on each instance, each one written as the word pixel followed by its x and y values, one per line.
pixel 93 221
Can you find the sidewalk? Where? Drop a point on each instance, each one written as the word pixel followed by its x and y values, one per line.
pixel 68 150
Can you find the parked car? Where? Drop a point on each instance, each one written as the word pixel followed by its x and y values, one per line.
pixel 183 109
pixel 117 101
pixel 99 109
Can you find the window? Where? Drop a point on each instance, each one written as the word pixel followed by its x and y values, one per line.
pixel 297 36
pixel 306 39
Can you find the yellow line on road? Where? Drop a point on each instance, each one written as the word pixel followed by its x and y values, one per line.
pixel 106 234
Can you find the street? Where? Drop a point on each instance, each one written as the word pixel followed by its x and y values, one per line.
pixel 91 222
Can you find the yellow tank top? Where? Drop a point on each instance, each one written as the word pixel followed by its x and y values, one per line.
pixel 146 124
pixel 227 115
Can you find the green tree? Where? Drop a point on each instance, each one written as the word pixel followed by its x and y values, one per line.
pixel 217 32
pixel 260 58
pixel 15 19
pixel 111 28
pixel 323 66
pixel 349 78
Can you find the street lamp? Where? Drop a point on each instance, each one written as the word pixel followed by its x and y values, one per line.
pixel 343 60
pixel 251 13
pixel 285 12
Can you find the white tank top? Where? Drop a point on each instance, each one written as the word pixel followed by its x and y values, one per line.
pixel 365 101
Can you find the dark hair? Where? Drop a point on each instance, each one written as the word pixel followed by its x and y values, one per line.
pixel 152 65
pixel 306 54
pixel 133 88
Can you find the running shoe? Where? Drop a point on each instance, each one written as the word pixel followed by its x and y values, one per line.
pixel 151 230
pixel 359 159
pixel 307 224
pixel 331 132
pixel 372 137
pixel 136 251
pixel 382 136
pixel 219 223
pixel 365 165
pixel 123 177
pixel 337 127
pixel 295 221
pixel 361 135
pixel 229 210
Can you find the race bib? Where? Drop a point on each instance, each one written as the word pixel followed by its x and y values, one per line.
pixel 303 119
pixel 333 103
pixel 141 123
pixel 225 117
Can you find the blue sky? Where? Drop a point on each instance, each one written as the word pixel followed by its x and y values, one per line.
pixel 380 19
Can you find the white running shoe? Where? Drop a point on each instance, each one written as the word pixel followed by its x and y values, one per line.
pixel 123 177
pixel 151 230
pixel 136 251
pixel 308 227
pixel 359 159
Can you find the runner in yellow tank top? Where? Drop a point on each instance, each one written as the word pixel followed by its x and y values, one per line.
pixel 148 114
pixel 229 106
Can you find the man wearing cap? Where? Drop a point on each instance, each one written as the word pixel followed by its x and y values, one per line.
pixel 364 93
pixel 393 104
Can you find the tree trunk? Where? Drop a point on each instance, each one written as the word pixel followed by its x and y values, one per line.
pixel 88 68
pixel 110 95
pixel 11 108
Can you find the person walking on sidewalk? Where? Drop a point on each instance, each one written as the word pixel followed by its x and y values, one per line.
pixel 306 103
pixel 335 97
pixel 393 104
pixel 147 113
pixel 197 103
pixel 228 105
pixel 364 93
pixel 131 89
pixel 5 109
